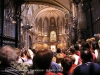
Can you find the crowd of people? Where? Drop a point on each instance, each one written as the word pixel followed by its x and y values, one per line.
pixel 82 58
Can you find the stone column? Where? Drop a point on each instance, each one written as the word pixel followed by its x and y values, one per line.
pixel 25 39
pixel 81 21
pixel 26 35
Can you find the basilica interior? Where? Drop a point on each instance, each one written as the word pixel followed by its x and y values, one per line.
pixel 49 27
pixel 48 24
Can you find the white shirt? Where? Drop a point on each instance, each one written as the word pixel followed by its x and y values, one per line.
pixel 96 53
pixel 76 59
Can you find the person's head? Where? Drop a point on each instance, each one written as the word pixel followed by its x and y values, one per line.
pixel 18 52
pixel 88 40
pixel 66 63
pixel 59 57
pixel 7 55
pixel 92 39
pixel 76 46
pixel 85 45
pixel 95 45
pixel 28 55
pixel 54 59
pixel 23 53
pixel 34 51
pixel 72 50
pixel 42 59
pixel 86 55
pixel 58 50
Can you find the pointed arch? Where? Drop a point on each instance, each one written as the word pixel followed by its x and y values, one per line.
pixel 45 26
pixel 40 26
pixel 58 19
pixel 59 23
pixel 52 21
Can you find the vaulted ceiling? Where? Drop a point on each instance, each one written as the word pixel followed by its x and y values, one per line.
pixel 64 4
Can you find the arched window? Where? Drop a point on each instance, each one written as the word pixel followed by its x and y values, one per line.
pixel 45 28
pixel 40 26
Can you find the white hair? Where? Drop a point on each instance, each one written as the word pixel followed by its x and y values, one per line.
pixel 7 54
